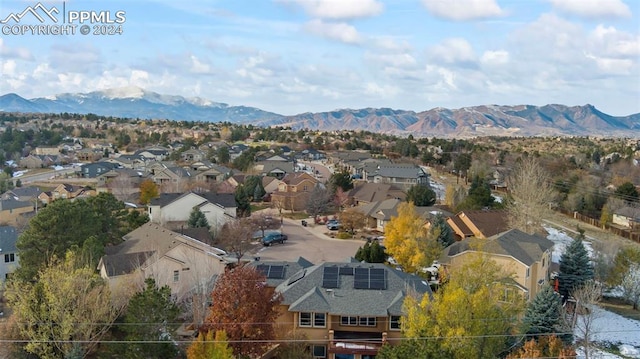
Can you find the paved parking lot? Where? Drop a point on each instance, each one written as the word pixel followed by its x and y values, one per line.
pixel 310 243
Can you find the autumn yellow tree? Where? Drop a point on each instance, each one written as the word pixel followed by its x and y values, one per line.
pixel 65 312
pixel 471 316
pixel 148 191
pixel 210 346
pixel 408 241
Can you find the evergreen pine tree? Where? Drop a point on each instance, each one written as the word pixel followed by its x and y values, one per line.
pixel 445 234
pixel 243 208
pixel 575 266
pixel 376 253
pixel 544 316
pixel 197 219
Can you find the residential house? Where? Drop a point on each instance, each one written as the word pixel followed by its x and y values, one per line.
pixel 348 160
pixel 311 154
pixel 270 184
pixel 94 170
pixel 379 213
pixel 364 193
pixel 277 169
pixel 172 178
pixel 44 150
pixel 218 208
pixel 123 183
pixel 479 224
pixel 156 153
pixel 628 217
pixel 9 258
pixel 65 191
pixel 89 155
pixel 11 210
pixel 403 175
pixel 294 191
pixel 344 309
pixel 214 173
pixel 193 155
pixel 31 162
pixel 24 194
pixel 173 259
pixel 527 257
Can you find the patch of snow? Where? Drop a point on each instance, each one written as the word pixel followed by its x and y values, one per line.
pixel 497 199
pixel 124 92
pixel 438 188
pixel 561 240
pixel 611 328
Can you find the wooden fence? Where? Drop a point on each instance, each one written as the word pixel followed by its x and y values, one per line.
pixel 632 234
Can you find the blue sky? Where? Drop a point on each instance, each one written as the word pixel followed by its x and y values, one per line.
pixel 294 56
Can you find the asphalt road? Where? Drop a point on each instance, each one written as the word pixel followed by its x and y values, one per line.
pixel 310 243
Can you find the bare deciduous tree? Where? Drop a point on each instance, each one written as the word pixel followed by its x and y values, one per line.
pixel 532 194
pixel 262 221
pixel 586 312
pixel 235 237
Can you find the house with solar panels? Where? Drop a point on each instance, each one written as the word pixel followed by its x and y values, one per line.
pixel 347 310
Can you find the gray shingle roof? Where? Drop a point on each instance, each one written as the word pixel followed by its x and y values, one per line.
pixel 523 247
pixel 8 239
pixel 9 204
pixel 308 295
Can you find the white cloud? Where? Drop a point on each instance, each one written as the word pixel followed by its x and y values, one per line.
pixel 462 10
pixel 9 67
pixel 452 50
pixel 384 91
pixel 593 8
pixel 615 43
pixel 21 53
pixel 491 58
pixel 340 9
pixel 199 67
pixel 612 66
pixel 336 31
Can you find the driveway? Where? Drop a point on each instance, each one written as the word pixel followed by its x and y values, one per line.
pixel 310 243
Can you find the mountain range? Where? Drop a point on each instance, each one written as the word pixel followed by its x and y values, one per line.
pixel 486 120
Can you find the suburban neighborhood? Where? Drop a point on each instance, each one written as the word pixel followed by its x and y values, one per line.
pixel 380 239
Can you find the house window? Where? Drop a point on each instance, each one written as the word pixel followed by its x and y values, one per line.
pixel 528 269
pixel 543 261
pixel 308 319
pixel 348 321
pixel 305 319
pixel 305 188
pixel 319 351
pixel 319 320
pixel 176 275
pixel 367 321
pixel 9 257
pixel 394 322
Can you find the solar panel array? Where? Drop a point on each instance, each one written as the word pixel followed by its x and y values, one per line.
pixel 271 271
pixel 330 277
pixel 363 278
pixel 346 270
pixel 370 278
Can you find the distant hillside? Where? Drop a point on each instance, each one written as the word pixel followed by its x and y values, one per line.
pixel 523 120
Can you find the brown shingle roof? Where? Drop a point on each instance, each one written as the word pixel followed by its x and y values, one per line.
pixel 488 222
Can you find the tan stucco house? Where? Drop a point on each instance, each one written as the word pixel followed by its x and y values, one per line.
pixel 527 257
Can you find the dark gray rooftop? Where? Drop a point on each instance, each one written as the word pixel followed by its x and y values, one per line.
pixel 304 291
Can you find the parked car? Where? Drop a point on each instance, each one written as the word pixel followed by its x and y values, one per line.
pixel 272 238
pixel 333 225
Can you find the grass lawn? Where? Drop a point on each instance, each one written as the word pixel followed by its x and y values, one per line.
pixel 259 206
pixel 619 307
